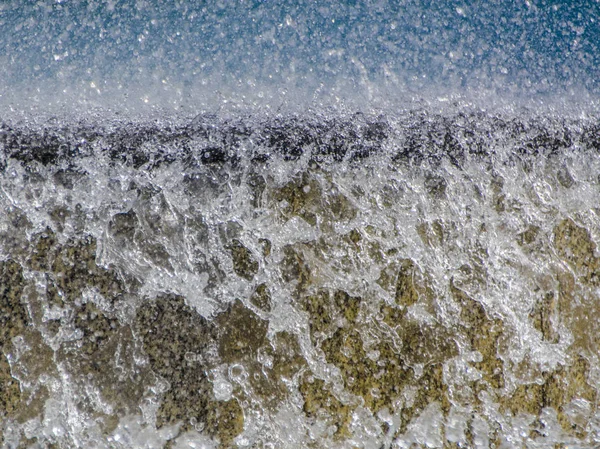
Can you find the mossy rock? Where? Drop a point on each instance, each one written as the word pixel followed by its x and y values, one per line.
pixel 575 307
pixel 323 306
pixel 348 306
pixel 528 236
pixel 35 359
pixel 244 263
pixel 122 226
pixel 14 236
pixel 171 331
pixel 73 267
pixel 483 334
pixel 377 381
pixel 44 248
pixel 565 178
pixel 266 246
pixel 431 233
pixel 406 282
pixel 304 197
pixel 10 391
pixel 225 420
pixel 570 383
pixel 294 267
pixel 288 359
pixel 59 215
pixel 273 376
pixel 435 185
pixel 430 388
pixel 104 358
pixel 425 343
pixel 257 185
pixel 321 403
pixel 574 245
pixel 544 315
pixel 261 298
pixel 13 314
pixel 498 195
pixel 556 389
pixel 527 398
pixel 96 327
pixel 241 333
pixel 379 378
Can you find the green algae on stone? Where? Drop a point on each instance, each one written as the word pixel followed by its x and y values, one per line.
pixel 304 197
pixel 483 335
pixel 575 309
pixel 320 402
pixel 348 306
pixel 271 377
pixel 435 185
pixel 13 233
pixel 15 401
pixel 257 185
pixel 13 314
pixel 74 269
pixel 95 326
pixel 123 229
pixel 59 216
pixel 528 236
pixel 567 384
pixel 575 245
pixel 407 286
pixel 10 391
pixel 104 355
pixel 300 197
pixel 44 246
pixel 123 225
pixel 266 246
pixel 544 315
pixel 261 298
pixel 33 362
pixel 377 381
pixel 354 236
pixel 430 388
pixel 377 372
pixel 225 420
pixel 527 398
pixel 425 343
pixel 287 355
pixel 380 376
pixel 318 308
pixel 556 389
pixel 294 267
pixel 565 178
pixel 241 333
pixel 432 234
pixel 244 263
pixel 323 306
pixel 171 331
pixel 406 282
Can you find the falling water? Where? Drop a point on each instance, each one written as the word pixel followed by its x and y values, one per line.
pixel 248 225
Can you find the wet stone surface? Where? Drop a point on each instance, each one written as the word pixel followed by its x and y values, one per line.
pixel 305 307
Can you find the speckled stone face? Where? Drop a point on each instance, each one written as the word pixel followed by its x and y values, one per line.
pixel 223 288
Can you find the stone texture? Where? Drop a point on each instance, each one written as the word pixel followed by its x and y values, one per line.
pixel 178 343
